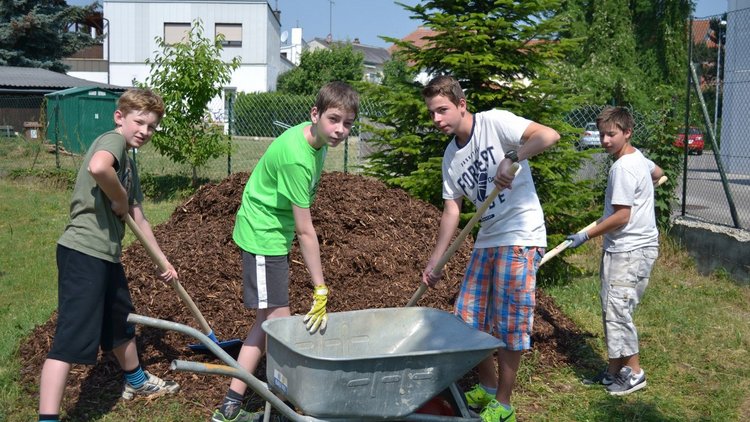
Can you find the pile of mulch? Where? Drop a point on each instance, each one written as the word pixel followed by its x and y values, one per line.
pixel 374 242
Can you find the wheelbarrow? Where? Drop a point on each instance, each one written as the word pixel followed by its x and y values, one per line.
pixel 375 364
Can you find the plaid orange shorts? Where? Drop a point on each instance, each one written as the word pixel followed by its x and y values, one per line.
pixel 498 293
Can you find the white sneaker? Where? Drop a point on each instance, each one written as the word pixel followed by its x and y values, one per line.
pixel 627 382
pixel 153 387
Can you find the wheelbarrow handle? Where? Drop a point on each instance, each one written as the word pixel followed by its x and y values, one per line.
pixel 459 240
pixel 159 261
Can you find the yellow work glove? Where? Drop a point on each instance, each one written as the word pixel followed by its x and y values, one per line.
pixel 317 317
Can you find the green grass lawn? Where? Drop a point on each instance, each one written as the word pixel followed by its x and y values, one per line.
pixel 695 335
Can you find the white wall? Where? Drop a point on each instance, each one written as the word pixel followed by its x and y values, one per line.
pixel 736 100
pixel 135 24
pixel 100 77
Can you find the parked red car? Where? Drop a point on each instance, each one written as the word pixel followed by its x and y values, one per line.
pixel 695 140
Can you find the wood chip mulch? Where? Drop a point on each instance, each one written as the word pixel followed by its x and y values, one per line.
pixel 374 241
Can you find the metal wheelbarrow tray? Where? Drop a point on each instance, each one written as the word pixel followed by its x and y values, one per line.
pixel 376 363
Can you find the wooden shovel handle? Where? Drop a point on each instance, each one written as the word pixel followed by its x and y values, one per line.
pixel 459 240
pixel 157 259
pixel 564 244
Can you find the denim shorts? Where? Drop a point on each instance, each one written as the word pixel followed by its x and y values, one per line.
pixel 498 293
pixel 624 278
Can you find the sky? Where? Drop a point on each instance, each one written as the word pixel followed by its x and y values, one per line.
pixel 369 19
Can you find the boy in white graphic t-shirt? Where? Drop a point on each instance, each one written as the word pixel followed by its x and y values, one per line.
pixel 631 245
pixel 498 291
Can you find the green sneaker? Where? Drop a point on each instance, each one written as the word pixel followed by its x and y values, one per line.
pixel 477 398
pixel 243 416
pixel 496 412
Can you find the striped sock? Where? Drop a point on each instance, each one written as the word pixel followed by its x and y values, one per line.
pixel 49 418
pixel 136 378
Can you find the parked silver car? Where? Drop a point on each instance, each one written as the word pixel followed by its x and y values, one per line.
pixel 590 137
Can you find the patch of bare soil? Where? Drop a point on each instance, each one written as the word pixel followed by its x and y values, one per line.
pixel 374 241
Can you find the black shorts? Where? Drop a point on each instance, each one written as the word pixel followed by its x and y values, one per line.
pixel 93 303
pixel 265 281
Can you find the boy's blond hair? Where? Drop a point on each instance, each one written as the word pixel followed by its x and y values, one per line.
pixel 339 95
pixel 446 86
pixel 139 100
pixel 618 116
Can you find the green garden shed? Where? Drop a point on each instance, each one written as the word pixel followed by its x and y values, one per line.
pixel 77 116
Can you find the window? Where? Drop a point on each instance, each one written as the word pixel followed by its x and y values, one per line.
pixel 232 34
pixel 175 33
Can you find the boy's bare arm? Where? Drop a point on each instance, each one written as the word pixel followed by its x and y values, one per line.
pixel 619 218
pixel 136 211
pixel 308 243
pixel 102 169
pixel 448 225
pixel 656 173
pixel 536 138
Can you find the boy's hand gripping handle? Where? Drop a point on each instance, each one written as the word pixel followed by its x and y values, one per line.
pixel 460 238
pixel 157 259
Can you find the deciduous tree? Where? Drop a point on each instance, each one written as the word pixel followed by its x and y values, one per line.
pixel 188 75
pixel 318 67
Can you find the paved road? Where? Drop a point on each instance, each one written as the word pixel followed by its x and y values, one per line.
pixel 706 197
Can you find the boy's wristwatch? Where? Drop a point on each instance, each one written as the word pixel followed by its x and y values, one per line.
pixel 512 155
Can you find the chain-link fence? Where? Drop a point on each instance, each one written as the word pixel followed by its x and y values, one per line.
pixel 21 116
pixel 716 173
pixel 254 121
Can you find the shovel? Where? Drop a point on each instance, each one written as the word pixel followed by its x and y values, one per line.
pixel 182 293
pixel 460 238
pixel 565 243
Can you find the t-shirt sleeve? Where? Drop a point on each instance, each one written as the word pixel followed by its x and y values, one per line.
pixel 115 144
pixel 294 183
pixel 624 185
pixel 509 126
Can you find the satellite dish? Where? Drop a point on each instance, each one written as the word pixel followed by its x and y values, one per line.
pixel 284 36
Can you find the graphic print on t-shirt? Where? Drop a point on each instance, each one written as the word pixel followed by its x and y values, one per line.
pixel 475 176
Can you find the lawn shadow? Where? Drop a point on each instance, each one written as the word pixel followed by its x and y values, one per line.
pixel 616 409
pixel 99 391
pixel 562 341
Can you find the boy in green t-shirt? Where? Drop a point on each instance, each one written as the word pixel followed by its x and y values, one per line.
pixel 276 204
pixel 93 297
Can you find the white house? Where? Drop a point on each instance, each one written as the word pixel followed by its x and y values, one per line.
pixel 250 27
pixel 292 50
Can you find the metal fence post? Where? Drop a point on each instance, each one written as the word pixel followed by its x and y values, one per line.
pixel 687 117
pixel 229 106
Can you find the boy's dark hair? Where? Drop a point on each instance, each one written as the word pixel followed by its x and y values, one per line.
pixel 618 116
pixel 337 94
pixel 446 86
pixel 139 99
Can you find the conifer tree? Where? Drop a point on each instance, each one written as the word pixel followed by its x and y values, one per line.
pixel 35 33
